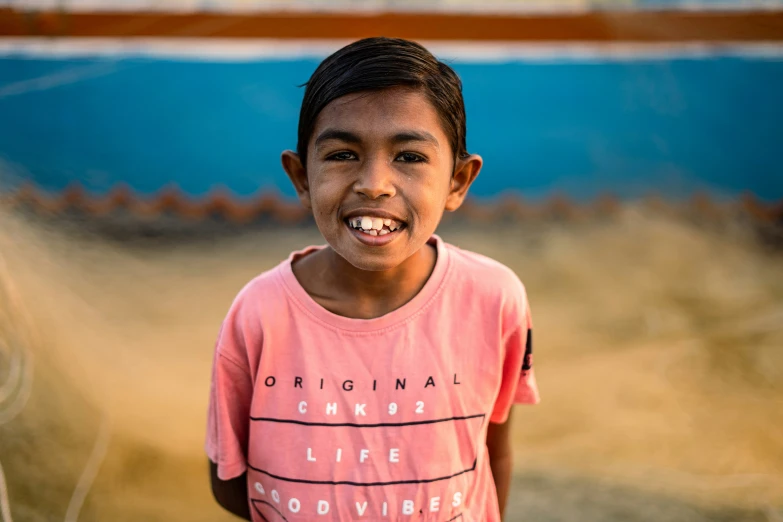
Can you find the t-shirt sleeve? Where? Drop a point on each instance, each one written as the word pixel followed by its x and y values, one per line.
pixel 518 385
pixel 231 392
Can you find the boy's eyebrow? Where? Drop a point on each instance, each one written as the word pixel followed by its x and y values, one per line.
pixel 337 134
pixel 350 137
pixel 415 136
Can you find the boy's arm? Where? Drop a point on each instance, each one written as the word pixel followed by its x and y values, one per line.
pixel 500 459
pixel 230 494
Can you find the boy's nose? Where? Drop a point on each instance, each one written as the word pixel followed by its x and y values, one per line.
pixel 375 180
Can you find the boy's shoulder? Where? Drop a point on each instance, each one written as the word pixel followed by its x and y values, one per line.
pixel 265 284
pixel 263 294
pixel 482 275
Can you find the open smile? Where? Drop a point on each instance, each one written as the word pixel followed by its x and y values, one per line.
pixel 374 230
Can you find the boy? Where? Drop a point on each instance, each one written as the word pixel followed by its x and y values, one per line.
pixel 372 378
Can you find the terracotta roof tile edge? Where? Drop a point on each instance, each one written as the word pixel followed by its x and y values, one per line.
pixel 221 203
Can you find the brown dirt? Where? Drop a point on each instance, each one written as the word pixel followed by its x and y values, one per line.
pixel 659 357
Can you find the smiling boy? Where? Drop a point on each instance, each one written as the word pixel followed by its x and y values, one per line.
pixel 372 378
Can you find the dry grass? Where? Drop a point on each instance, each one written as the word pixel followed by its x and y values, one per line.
pixel 659 356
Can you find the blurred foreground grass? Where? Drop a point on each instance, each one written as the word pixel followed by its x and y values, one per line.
pixel 659 357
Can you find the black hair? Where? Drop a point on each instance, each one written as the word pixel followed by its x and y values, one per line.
pixel 374 64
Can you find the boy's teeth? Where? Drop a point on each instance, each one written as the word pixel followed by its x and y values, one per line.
pixel 374 226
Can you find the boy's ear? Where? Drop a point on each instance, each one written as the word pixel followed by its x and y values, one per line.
pixel 465 172
pixel 292 165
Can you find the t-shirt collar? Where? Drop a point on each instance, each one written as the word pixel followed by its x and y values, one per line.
pixel 390 320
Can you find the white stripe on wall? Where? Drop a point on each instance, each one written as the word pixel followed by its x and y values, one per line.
pixel 242 50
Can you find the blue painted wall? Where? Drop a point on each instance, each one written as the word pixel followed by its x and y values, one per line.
pixel 630 127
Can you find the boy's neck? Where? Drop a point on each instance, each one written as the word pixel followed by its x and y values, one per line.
pixel 345 290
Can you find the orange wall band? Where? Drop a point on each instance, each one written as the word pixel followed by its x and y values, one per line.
pixel 627 26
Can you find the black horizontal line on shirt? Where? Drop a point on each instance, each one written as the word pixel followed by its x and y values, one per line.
pixel 349 483
pixel 356 425
pixel 455 518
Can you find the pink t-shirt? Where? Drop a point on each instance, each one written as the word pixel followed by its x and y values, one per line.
pixel 379 419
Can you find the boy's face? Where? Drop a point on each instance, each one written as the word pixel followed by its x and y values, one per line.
pixel 380 172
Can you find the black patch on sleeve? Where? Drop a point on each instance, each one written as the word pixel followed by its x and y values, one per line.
pixel 527 362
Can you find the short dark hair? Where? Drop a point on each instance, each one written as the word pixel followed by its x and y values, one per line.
pixel 379 63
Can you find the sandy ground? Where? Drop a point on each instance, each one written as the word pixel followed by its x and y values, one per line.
pixel 659 358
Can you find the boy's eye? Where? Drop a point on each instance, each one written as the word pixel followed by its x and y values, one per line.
pixel 341 156
pixel 410 157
